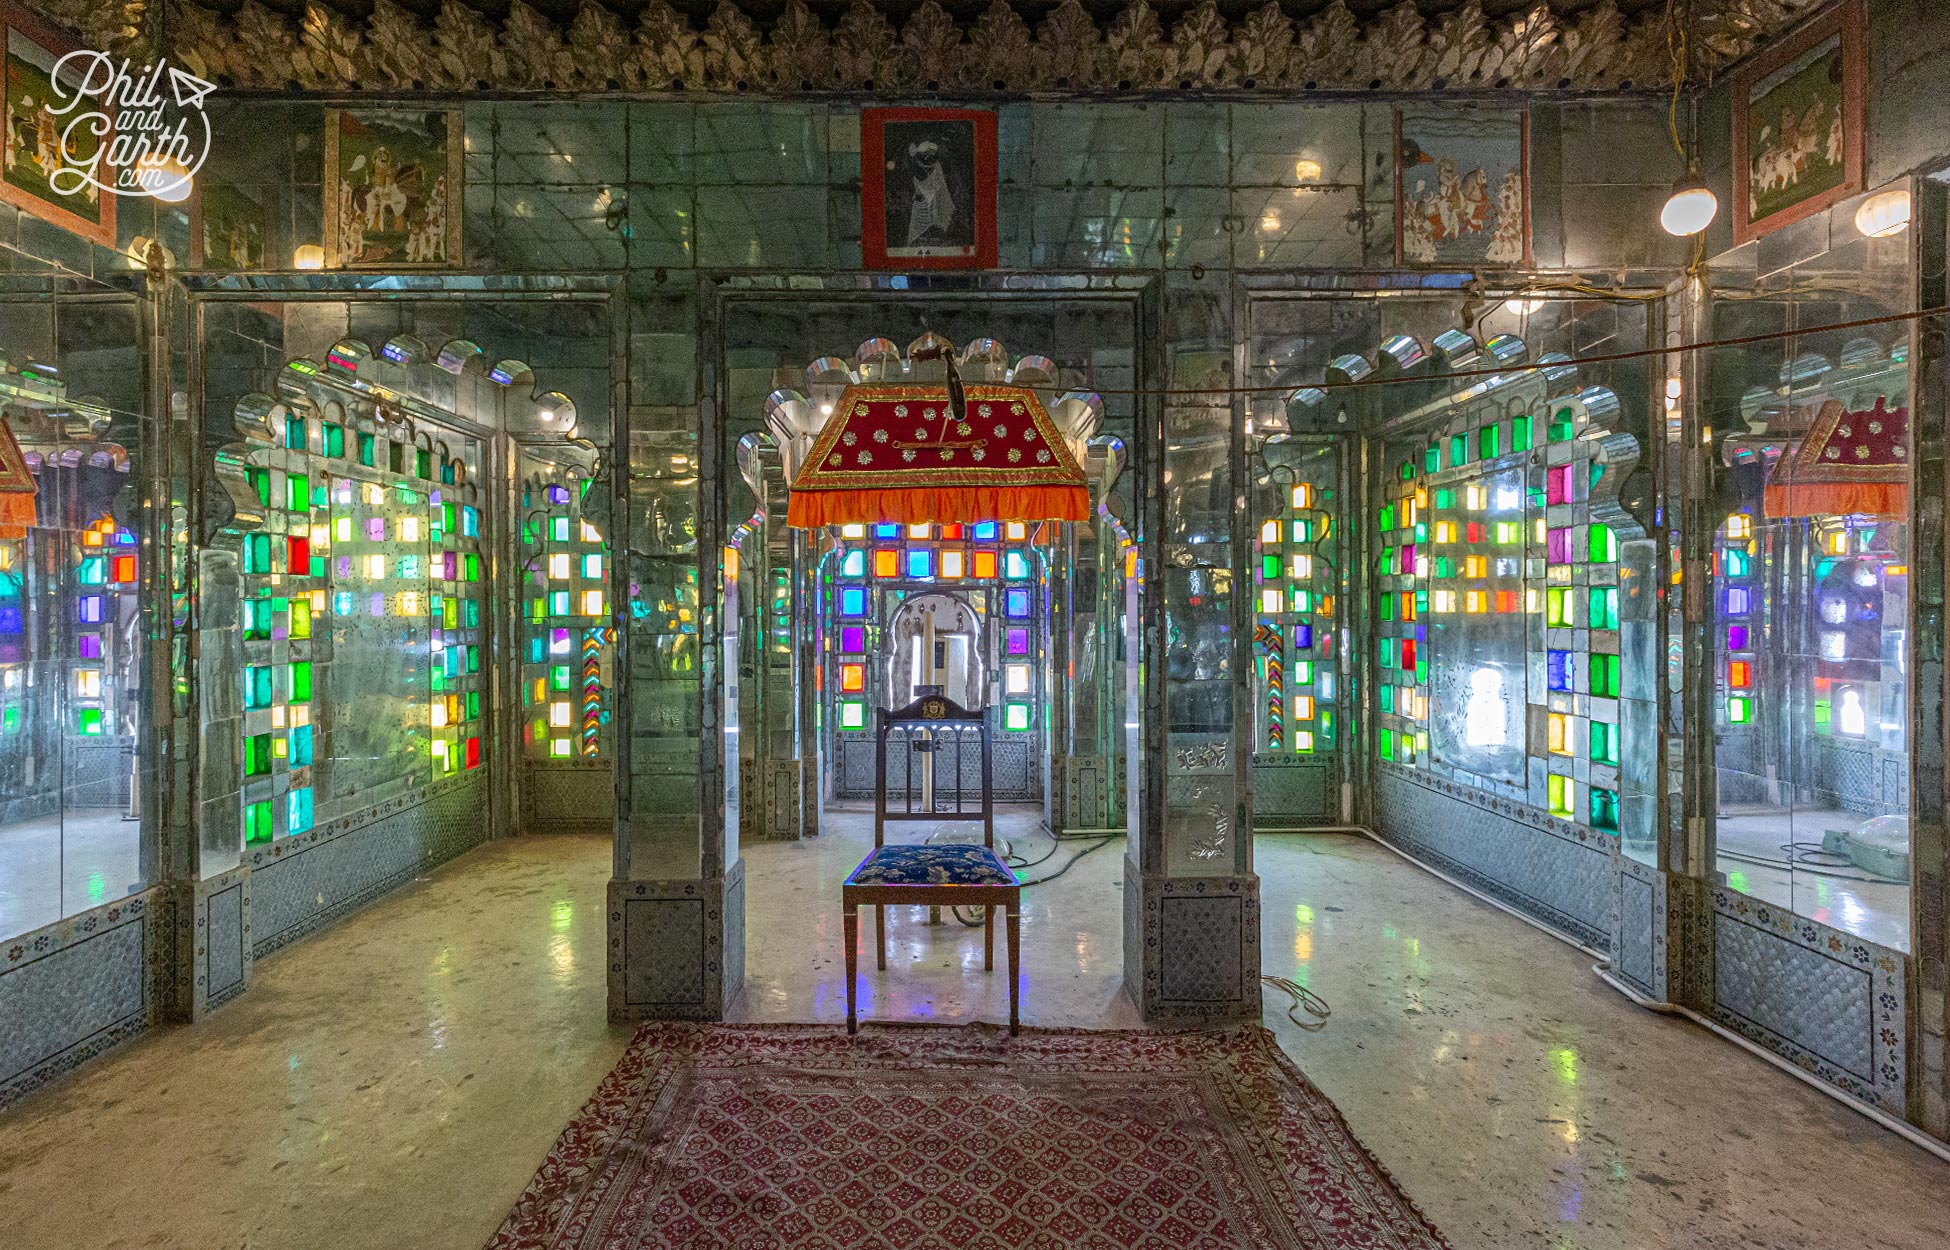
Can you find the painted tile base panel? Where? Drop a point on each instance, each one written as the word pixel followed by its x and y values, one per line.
pixel 1829 1002
pixel 301 885
pixel 1507 852
pixel 72 990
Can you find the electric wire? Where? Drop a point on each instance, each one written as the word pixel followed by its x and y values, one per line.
pixel 1304 999
pixel 1016 862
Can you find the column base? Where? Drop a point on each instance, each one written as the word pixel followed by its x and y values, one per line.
pixel 1641 930
pixel 676 948
pixel 784 799
pixel 1079 792
pixel 1191 946
pixel 211 957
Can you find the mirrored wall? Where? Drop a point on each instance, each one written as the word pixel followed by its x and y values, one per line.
pixel 1810 559
pixel 75 551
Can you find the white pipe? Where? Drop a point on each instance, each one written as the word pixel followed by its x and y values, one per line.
pixel 1906 1131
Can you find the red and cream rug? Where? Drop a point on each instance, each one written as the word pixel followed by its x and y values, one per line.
pixel 797 1137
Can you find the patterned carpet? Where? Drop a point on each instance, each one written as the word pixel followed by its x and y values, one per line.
pixel 797 1137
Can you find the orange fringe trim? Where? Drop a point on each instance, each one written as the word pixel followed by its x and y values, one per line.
pixel 815 509
pixel 1796 499
pixel 17 512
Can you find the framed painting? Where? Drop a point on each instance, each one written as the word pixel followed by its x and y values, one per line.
pixel 927 188
pixel 1462 187
pixel 393 181
pixel 228 230
pixel 35 147
pixel 1797 124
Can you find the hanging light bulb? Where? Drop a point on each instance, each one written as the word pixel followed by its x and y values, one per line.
pixel 1884 215
pixel 1690 208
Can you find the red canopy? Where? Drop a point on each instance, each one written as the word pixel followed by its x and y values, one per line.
pixel 895 453
pixel 1848 463
pixel 17 487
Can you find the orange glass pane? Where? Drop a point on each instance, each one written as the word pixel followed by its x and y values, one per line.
pixel 984 564
pixel 886 563
pixel 853 678
pixel 1739 674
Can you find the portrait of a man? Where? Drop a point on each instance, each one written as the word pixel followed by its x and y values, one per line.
pixel 927 188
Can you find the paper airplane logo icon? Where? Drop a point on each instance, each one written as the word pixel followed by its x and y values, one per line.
pixel 188 88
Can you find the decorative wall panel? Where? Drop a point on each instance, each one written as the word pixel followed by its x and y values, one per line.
pixel 1830 1002
pixel 1191 945
pixel 1560 874
pixel 299 885
pixel 72 990
pixel 224 951
pixel 676 948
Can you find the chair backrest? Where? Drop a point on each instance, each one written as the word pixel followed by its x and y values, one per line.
pixel 928 727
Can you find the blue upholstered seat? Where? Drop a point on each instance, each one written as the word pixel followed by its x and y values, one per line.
pixel 953 864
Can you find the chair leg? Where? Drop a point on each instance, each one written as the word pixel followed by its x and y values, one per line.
pixel 988 938
pixel 852 918
pixel 1015 959
pixel 880 934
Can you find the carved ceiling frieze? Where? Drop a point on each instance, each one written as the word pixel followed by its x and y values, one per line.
pixel 1269 49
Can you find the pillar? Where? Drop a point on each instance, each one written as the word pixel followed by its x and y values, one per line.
pixel 676 901
pixel 1191 899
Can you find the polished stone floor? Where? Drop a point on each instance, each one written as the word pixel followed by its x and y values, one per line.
pixel 393 1081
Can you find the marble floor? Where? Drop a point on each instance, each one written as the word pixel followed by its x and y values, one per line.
pixel 393 1081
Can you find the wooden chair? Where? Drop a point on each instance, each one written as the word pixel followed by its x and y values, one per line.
pixel 956 875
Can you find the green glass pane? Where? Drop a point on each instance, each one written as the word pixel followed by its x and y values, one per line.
pixel 1486 442
pixel 1520 434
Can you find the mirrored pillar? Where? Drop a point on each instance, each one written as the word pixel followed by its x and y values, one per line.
pixel 676 901
pixel 1191 900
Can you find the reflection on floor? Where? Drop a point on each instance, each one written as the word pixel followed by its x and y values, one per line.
pixel 394 1081
pixel 1755 855
pixel 91 853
